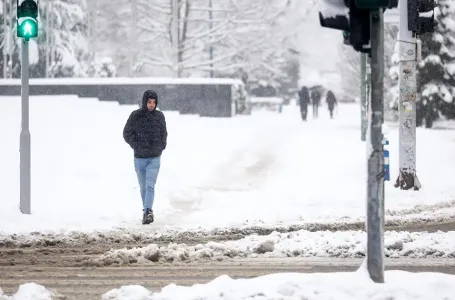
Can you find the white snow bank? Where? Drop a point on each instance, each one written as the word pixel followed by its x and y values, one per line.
pixel 30 291
pixel 128 292
pixel 283 286
pixel 318 286
pixel 2 295
pixel 271 100
pixel 294 244
pixel 123 80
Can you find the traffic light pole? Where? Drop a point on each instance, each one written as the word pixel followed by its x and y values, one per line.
pixel 375 190
pixel 363 96
pixel 25 139
pixel 407 177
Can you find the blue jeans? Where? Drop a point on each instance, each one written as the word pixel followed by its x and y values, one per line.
pixel 147 170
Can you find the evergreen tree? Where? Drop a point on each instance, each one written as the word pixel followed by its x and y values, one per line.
pixel 69 33
pixel 436 72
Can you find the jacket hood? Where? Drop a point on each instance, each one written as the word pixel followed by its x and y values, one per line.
pixel 147 95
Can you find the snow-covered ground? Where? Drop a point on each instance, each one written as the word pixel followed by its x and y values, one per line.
pixel 265 169
pixel 293 286
pixel 341 244
pixel 284 286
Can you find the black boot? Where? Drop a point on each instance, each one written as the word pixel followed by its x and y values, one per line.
pixel 148 217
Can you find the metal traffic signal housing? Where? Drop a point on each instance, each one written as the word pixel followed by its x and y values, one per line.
pixel 421 16
pixel 353 18
pixel 27 19
pixel 334 14
pixel 343 15
pixel 359 28
pixel 376 4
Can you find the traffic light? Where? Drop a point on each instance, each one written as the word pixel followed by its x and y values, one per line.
pixel 359 28
pixel 353 18
pixel 344 15
pixel 376 4
pixel 419 18
pixel 27 19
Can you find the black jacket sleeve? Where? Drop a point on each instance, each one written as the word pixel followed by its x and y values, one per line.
pixel 128 131
pixel 163 131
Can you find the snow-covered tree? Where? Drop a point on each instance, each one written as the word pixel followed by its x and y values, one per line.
pixel 437 70
pixel 102 68
pixel 8 45
pixel 113 32
pixel 196 33
pixel 265 41
pixel 69 46
pixel 67 32
pixel 349 66
pixel 241 34
pixel 391 64
pixel 236 38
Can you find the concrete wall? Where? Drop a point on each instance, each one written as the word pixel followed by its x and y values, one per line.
pixel 208 100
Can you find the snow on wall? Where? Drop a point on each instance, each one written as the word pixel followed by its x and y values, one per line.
pixel 124 80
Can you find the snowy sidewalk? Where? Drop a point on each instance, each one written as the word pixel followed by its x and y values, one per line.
pixel 267 169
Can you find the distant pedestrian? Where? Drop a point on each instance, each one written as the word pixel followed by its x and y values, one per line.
pixel 331 102
pixel 316 100
pixel 146 133
pixel 304 100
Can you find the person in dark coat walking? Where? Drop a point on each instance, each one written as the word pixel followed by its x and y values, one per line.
pixel 315 100
pixel 304 100
pixel 146 133
pixel 331 102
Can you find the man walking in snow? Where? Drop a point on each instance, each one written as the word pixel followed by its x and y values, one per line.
pixel 331 102
pixel 315 99
pixel 146 133
pixel 304 100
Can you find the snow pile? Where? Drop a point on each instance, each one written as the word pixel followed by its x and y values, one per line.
pixel 2 295
pixel 294 286
pixel 128 292
pixel 31 291
pixel 345 244
pixel 282 286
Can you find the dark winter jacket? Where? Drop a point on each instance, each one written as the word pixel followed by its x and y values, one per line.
pixel 304 97
pixel 316 97
pixel 331 100
pixel 145 131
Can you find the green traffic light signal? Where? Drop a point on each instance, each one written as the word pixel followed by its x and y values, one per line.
pixel 28 28
pixel 27 19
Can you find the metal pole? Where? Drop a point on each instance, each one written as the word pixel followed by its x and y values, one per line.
pixel 211 45
pixel 407 178
pixel 375 205
pixel 368 87
pixel 363 96
pixel 175 35
pixel 25 140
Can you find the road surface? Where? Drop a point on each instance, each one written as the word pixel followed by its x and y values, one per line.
pixel 61 272
pixel 64 268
